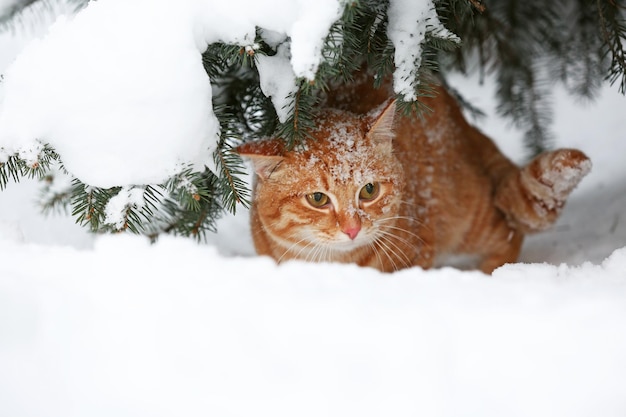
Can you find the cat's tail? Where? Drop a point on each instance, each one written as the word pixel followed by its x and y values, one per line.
pixel 532 197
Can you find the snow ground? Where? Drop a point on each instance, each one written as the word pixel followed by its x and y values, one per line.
pixel 109 325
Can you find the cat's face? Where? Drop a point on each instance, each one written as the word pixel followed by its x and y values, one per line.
pixel 340 193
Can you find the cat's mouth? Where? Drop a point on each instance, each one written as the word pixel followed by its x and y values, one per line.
pixel 325 247
pixel 343 243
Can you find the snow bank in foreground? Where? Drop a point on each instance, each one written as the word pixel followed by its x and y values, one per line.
pixel 175 329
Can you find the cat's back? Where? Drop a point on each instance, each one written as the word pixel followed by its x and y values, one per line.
pixel 444 160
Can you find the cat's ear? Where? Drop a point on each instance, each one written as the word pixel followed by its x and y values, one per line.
pixel 265 155
pixel 381 122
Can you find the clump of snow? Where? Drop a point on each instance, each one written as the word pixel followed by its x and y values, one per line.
pixel 305 22
pixel 278 80
pixel 31 154
pixel 409 22
pixel 116 210
pixel 307 35
pixel 272 38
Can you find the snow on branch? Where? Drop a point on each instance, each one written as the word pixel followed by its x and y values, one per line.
pixel 124 106
pixel 409 23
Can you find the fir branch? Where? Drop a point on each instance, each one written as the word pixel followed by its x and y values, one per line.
pixel 298 126
pixel 186 188
pixel 578 59
pixel 613 29
pixel 132 208
pixel 233 189
pixel 53 198
pixel 475 112
pixel 192 205
pixel 199 229
pixel 239 99
pixel 418 107
pixel 11 169
pixel 16 167
pixel 13 12
pixel 89 204
pixel 30 13
pixel 477 5
pixel 258 114
pixel 41 165
pixel 527 104
pixel 512 46
pixel 219 57
pixel 343 45
pixel 229 164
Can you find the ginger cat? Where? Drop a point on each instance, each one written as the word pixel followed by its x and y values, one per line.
pixel 388 191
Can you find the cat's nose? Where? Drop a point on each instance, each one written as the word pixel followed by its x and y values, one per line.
pixel 352 231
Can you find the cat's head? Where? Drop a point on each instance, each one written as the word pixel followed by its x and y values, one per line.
pixel 338 193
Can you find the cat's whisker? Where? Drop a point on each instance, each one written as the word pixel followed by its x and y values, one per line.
pixel 330 253
pixel 374 248
pixel 323 252
pixel 311 251
pixel 308 255
pixel 326 254
pixel 393 236
pixel 378 247
pixel 407 242
pixel 317 253
pixel 414 207
pixel 293 246
pixel 411 219
pixel 396 228
pixel 408 203
pixel 387 251
pixel 381 224
pixel 395 248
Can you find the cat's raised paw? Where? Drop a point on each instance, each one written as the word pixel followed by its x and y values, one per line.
pixel 533 198
pixel 553 175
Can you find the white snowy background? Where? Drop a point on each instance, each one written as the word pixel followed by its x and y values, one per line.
pixel 115 326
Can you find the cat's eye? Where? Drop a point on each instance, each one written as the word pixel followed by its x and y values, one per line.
pixel 369 191
pixel 318 199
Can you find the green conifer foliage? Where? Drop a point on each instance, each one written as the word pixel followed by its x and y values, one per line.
pixel 527 46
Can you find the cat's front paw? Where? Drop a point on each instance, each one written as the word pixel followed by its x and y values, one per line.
pixel 533 198
pixel 551 176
